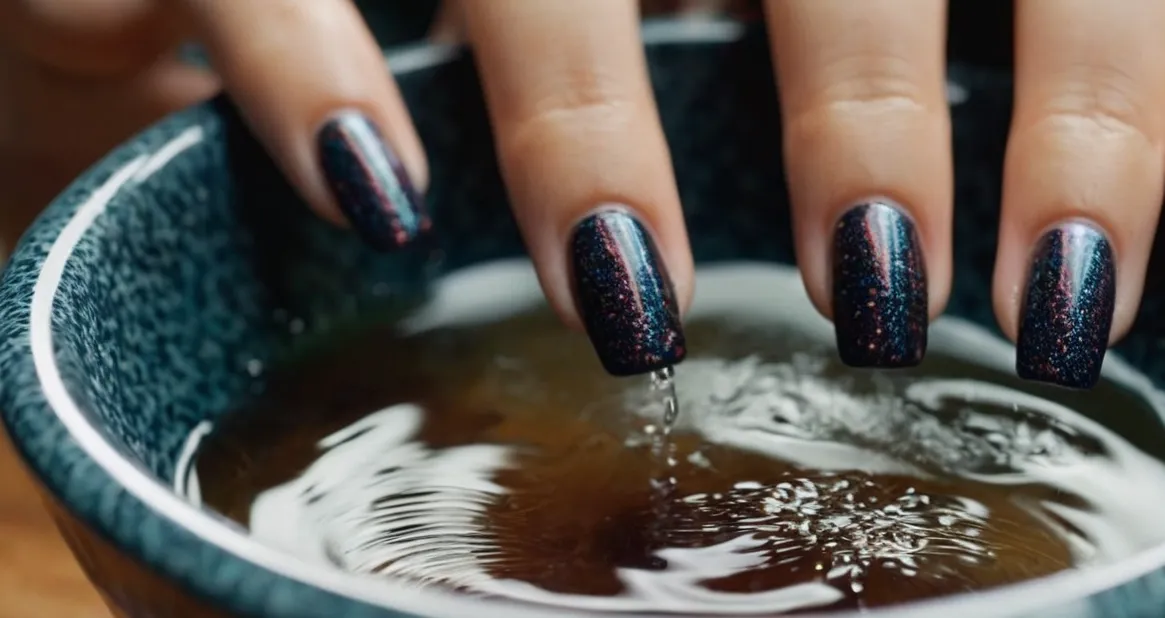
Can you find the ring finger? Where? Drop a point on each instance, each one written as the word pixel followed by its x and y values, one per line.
pixel 1082 181
pixel 867 143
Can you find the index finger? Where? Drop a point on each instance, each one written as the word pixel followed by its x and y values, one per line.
pixel 310 80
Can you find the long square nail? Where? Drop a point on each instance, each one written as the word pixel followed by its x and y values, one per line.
pixel 369 182
pixel 1067 311
pixel 879 288
pixel 624 295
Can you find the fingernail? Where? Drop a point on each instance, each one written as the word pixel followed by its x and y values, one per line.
pixel 1067 311
pixel 624 295
pixel 879 288
pixel 369 182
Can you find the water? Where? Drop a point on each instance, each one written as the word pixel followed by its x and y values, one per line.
pixel 481 448
pixel 663 480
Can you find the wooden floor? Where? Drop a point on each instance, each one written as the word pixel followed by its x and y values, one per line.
pixel 38 576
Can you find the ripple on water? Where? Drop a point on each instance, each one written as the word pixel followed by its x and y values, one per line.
pixel 791 482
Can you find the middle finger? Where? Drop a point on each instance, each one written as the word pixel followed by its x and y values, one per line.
pixel 588 170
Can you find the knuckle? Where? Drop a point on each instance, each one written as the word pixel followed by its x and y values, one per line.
pixel 870 83
pixel 574 105
pixel 1100 103
pixel 860 91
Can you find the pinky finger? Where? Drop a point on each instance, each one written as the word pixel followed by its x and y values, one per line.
pixel 1083 181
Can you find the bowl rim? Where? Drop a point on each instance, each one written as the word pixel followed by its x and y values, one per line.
pixel 1055 591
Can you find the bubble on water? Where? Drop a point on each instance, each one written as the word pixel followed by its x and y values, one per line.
pixel 842 515
pixel 700 460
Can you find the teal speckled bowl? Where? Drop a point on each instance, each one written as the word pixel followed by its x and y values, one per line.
pixel 133 308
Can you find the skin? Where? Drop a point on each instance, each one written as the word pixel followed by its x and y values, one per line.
pixel 578 128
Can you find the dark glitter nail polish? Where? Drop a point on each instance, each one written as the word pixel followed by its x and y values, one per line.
pixel 624 295
pixel 1067 312
pixel 879 288
pixel 369 183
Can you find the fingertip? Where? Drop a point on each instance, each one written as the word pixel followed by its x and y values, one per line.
pixel 311 81
pixel 671 235
pixel 1007 284
pixel 1021 255
pixel 1066 318
pixel 554 271
pixel 821 247
pixel 393 115
pixel 938 260
pixel 368 181
pixel 624 292
pixel 813 268
pixel 880 286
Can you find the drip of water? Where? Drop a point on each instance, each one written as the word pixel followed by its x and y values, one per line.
pixel 663 382
pixel 663 480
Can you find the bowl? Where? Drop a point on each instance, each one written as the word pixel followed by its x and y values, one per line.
pixel 136 307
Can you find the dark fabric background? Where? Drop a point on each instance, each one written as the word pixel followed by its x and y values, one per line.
pixel 980 32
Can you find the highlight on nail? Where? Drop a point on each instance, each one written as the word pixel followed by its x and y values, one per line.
pixel 369 182
pixel 880 300
pixel 1066 314
pixel 624 294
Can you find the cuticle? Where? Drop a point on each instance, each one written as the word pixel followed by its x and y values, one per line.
pixel 879 198
pixel 615 206
pixel 1082 220
pixel 1085 221
pixel 334 113
pixel 612 206
pixel 608 207
pixel 899 207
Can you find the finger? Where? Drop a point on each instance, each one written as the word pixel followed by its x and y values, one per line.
pixel 99 39
pixel 57 124
pixel 867 143
pixel 1083 180
pixel 311 81
pixel 588 170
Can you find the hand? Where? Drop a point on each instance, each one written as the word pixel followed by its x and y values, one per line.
pixel 866 124
pixel 868 150
pixel 577 127
pixel 867 135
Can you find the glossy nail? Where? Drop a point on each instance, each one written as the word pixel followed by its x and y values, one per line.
pixel 624 295
pixel 879 288
pixel 369 182
pixel 1067 311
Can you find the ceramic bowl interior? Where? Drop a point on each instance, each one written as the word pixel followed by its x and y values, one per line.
pixel 134 308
